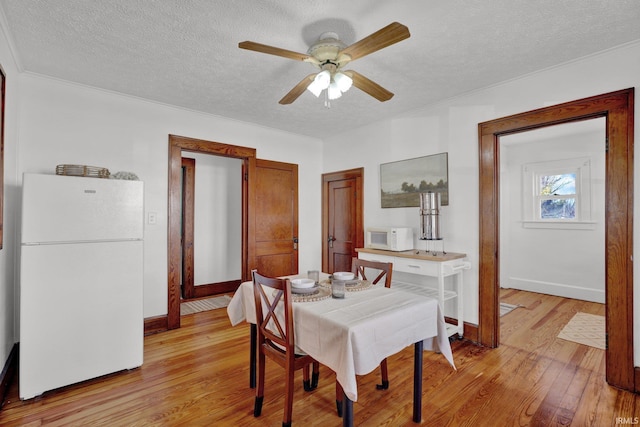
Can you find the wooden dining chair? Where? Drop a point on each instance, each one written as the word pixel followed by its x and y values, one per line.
pixel 362 267
pixel 276 339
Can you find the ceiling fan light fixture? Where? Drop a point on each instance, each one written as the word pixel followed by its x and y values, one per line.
pixel 320 83
pixel 343 81
pixel 315 88
pixel 334 91
pixel 323 79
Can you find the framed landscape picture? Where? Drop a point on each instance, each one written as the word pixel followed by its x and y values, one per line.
pixel 402 182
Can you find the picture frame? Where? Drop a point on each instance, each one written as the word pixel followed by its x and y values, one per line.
pixel 401 182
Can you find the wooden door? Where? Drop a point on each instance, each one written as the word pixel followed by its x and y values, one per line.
pixel 276 218
pixel 342 228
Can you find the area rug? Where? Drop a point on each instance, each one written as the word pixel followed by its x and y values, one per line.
pixel 197 306
pixel 585 328
pixel 507 308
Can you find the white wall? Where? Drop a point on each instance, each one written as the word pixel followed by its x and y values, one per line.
pixel 452 126
pixel 217 246
pixel 567 262
pixel 67 123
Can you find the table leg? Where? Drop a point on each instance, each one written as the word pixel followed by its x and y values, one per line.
pixel 252 355
pixel 347 411
pixel 347 404
pixel 417 382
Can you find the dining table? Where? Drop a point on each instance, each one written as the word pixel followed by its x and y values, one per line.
pixel 352 335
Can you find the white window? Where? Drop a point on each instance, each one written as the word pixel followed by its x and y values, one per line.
pixel 557 194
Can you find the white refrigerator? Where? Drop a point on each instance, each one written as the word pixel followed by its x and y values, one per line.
pixel 81 280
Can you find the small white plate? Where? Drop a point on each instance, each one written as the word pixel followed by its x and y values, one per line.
pixel 304 291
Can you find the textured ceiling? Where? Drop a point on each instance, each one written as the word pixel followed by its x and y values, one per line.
pixel 185 53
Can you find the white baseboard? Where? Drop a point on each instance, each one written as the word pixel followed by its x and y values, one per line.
pixel 558 289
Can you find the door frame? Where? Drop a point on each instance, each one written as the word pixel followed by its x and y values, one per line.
pixel 177 144
pixel 618 110
pixel 187 229
pixel 358 175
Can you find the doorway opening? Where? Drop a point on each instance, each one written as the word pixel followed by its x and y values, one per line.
pixel 552 234
pixel 211 225
pixel 617 109
pixel 178 145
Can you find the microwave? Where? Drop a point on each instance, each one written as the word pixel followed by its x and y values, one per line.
pixel 389 238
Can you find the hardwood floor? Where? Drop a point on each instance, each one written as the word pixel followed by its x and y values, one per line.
pixel 198 376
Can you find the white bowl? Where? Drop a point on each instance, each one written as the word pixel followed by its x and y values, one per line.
pixel 302 283
pixel 343 275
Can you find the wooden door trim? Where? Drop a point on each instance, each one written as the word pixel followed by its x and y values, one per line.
pixel 358 175
pixel 177 144
pixel 617 108
pixel 188 216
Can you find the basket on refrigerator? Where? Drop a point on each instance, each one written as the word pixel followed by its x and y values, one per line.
pixel 82 170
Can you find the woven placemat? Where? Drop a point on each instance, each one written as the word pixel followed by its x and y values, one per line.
pixel 360 286
pixel 319 295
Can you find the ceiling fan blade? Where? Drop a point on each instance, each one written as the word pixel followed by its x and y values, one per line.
pixel 392 33
pixel 369 86
pixel 258 47
pixel 297 90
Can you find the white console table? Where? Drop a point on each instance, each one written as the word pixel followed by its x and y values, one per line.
pixel 424 263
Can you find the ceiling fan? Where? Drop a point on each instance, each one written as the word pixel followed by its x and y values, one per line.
pixel 330 55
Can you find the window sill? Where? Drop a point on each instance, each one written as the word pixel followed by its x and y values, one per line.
pixel 561 225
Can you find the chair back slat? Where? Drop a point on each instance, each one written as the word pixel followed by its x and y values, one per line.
pixel 274 313
pixel 360 267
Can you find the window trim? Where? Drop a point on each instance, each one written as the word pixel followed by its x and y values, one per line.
pixel 531 173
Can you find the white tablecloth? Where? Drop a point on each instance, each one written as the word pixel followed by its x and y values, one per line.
pixel 353 335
